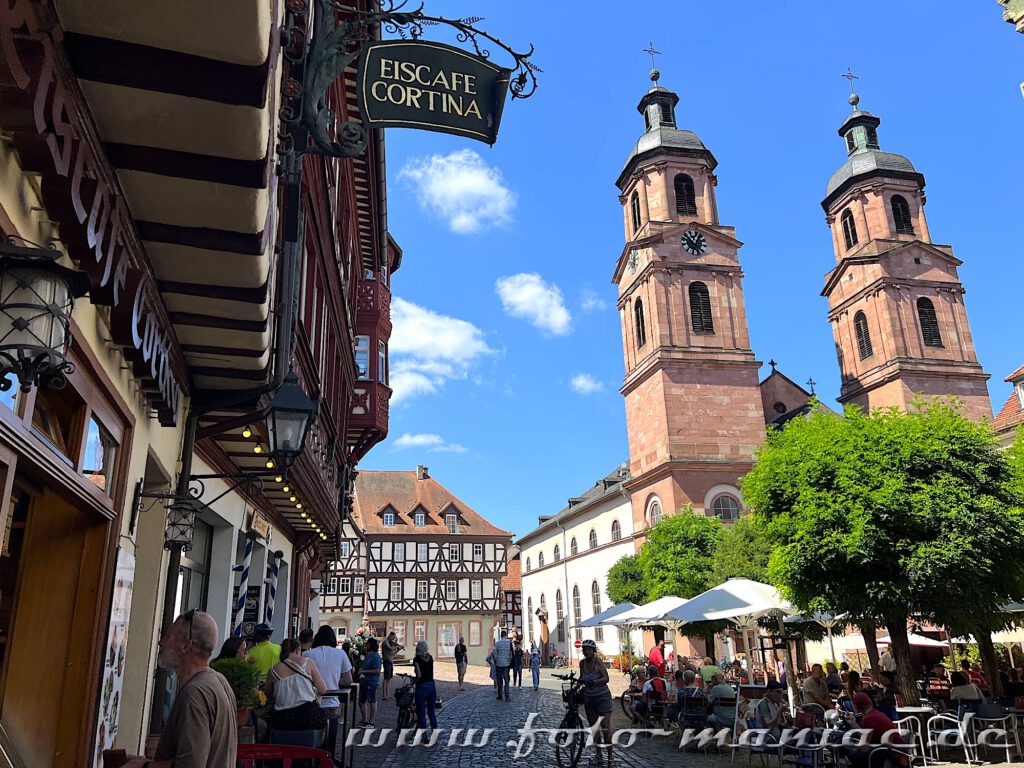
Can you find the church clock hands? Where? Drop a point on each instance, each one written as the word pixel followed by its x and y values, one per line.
pixel 694 242
pixel 634 260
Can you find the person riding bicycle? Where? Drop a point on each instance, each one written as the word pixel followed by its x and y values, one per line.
pixel 597 697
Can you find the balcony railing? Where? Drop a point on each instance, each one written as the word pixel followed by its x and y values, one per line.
pixel 373 298
pixel 368 424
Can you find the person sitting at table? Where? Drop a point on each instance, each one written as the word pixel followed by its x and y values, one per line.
pixel 654 686
pixel 887 691
pixel 853 687
pixel 962 689
pixel 833 679
pixel 815 690
pixel 936 683
pixel 772 714
pixel 737 674
pixel 721 691
pixel 709 670
pixel 880 726
pixel 974 674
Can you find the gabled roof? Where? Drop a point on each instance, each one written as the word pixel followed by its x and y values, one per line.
pixel 375 490
pixel 608 486
pixel 1017 374
pixel 513 580
pixel 1010 415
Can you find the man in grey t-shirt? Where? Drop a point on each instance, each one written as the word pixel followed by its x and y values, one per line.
pixel 202 729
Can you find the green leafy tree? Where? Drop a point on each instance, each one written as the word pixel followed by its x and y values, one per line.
pixel 678 556
pixel 626 581
pixel 742 551
pixel 890 515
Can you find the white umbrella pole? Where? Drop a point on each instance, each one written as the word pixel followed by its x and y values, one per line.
pixel 831 647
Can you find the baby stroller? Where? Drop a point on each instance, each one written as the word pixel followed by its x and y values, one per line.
pixel 405 700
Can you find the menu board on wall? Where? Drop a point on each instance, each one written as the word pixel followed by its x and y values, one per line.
pixel 112 681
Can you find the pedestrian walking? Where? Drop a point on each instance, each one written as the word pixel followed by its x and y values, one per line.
pixel 461 661
pixel 517 665
pixel 369 682
pixel 535 666
pixel 388 649
pixel 426 691
pixel 201 729
pixel 502 653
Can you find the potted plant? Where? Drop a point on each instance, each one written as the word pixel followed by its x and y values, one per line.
pixel 244 681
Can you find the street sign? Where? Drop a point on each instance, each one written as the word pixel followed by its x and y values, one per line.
pixel 428 85
pixel 578 644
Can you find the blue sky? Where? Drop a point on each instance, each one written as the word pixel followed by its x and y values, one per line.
pixel 507 353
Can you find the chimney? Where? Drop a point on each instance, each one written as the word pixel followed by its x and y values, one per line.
pixel 421 472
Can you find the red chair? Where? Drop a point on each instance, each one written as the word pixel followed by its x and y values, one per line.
pixel 248 754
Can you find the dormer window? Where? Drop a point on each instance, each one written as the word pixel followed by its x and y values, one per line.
pixel 452 521
pixel 1020 393
pixel 419 520
pixel 389 519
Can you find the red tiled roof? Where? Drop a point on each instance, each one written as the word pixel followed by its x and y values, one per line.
pixel 1010 415
pixel 513 581
pixel 1018 374
pixel 403 494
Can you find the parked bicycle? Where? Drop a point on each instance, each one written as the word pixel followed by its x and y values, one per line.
pixel 559 662
pixel 572 731
pixel 405 699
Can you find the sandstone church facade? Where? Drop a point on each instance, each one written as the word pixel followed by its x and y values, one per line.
pixel 695 409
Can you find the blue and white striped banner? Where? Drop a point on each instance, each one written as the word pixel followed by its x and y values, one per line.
pixel 243 586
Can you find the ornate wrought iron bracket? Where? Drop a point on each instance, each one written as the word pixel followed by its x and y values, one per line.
pixel 333 48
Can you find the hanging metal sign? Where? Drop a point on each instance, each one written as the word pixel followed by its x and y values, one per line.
pixel 431 86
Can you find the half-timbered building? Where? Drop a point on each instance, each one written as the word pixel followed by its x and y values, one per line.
pixel 434 566
pixel 512 593
pixel 343 588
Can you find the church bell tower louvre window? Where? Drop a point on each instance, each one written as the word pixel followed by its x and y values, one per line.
pixel 929 323
pixel 641 327
pixel 686 196
pixel 901 215
pixel 849 229
pixel 851 142
pixel 860 327
pixel 872 134
pixel 634 209
pixel 700 309
pixel 666 114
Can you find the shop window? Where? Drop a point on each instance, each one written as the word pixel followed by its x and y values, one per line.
pixel 399 629
pixel 57 420
pixel 100 456
pixel 194 573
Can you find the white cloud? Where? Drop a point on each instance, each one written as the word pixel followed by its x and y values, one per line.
pixel 428 442
pixel 462 189
pixel 427 349
pixel 585 384
pixel 591 301
pixel 528 297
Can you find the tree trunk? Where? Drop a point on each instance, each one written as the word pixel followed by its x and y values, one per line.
pixel 906 679
pixel 989 661
pixel 869 631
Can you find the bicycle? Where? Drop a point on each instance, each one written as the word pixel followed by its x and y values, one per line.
pixel 570 740
pixel 559 662
pixel 405 700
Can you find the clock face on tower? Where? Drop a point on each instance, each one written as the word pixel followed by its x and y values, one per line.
pixel 634 260
pixel 694 242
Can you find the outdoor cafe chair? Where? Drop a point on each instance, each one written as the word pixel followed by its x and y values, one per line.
pixel 251 755
pixel 994 716
pixel 913 739
pixel 694 712
pixel 945 727
pixel 763 745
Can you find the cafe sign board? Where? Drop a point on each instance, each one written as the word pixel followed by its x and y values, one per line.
pixel 432 86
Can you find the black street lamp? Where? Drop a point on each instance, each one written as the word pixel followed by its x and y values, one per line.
pixel 289 416
pixel 37 296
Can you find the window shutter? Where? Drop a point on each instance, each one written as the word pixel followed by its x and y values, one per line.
pixel 686 196
pixel 929 323
pixel 700 309
pixel 860 327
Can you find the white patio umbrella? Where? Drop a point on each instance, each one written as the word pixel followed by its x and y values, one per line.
pixel 603 617
pixel 827 620
pixel 743 602
pixel 654 612
pixel 921 641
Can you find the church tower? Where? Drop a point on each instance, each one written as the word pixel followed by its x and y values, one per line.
pixel 896 304
pixel 693 407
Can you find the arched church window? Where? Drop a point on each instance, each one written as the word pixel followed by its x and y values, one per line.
pixel 558 553
pixel 700 309
pixel 641 326
pixel 849 229
pixel 616 530
pixel 686 197
pixel 901 215
pixel 929 323
pixel 654 512
pixel 574 548
pixel 595 598
pixel 528 568
pixel 860 328
pixel 593 538
pixel 634 208
pixel 540 559
pixel 726 508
